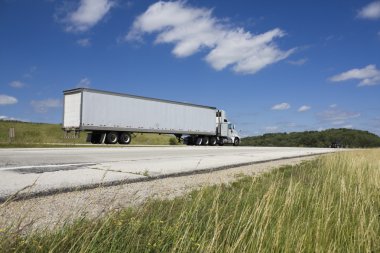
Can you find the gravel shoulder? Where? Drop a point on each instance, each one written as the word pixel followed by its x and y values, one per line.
pixel 53 211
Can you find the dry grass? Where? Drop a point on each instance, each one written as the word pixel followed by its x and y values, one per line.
pixel 328 204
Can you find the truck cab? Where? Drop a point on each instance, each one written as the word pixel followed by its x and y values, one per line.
pixel 226 130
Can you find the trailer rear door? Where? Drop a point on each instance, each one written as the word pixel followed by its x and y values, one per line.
pixel 72 110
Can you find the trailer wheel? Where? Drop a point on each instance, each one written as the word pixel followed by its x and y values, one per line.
pixel 212 141
pixel 199 141
pixel 205 141
pixel 111 138
pixel 95 138
pixel 236 142
pixel 189 141
pixel 124 138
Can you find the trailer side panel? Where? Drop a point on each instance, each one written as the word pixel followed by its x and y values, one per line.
pixel 107 111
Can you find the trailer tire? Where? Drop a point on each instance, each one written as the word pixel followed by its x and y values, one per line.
pixel 125 138
pixel 199 141
pixel 205 141
pixel 236 142
pixel 112 138
pixel 189 141
pixel 95 138
pixel 213 141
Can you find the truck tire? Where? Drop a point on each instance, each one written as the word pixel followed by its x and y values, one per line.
pixel 125 138
pixel 95 138
pixel 213 141
pixel 221 143
pixel 205 141
pixel 199 141
pixel 236 142
pixel 189 141
pixel 112 138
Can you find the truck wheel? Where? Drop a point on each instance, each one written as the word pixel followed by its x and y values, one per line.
pixel 220 143
pixel 111 138
pixel 236 142
pixel 189 141
pixel 95 138
pixel 205 141
pixel 199 140
pixel 212 141
pixel 124 138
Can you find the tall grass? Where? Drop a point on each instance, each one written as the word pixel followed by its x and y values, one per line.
pixel 328 204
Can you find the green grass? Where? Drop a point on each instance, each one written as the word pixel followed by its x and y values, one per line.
pixel 44 135
pixel 329 204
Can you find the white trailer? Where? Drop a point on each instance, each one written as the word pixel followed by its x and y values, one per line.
pixel 111 117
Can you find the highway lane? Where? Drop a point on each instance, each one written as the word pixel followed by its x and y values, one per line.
pixel 47 170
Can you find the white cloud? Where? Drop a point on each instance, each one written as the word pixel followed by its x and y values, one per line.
pixel 348 126
pixel 2 117
pixel 6 118
pixel 87 14
pixel 370 11
pixel 84 83
pixel 336 116
pixel 368 76
pixel 282 106
pixel 193 29
pixel 333 105
pixel 299 62
pixel 86 42
pixel 16 84
pixel 43 106
pixel 7 100
pixel 304 108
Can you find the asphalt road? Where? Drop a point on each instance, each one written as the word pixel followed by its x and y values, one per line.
pixel 47 170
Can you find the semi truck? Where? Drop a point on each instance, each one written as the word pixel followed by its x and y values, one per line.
pixel 110 118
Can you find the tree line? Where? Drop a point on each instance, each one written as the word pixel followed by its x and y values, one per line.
pixel 349 138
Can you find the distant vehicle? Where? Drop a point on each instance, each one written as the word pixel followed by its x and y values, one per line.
pixel 111 118
pixel 336 145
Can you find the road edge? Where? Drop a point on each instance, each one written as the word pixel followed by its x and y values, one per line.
pixel 26 196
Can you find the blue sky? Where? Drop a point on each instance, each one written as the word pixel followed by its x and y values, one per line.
pixel 274 66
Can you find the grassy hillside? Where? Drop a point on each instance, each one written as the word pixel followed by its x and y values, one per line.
pixel 346 137
pixel 40 133
pixel 331 204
